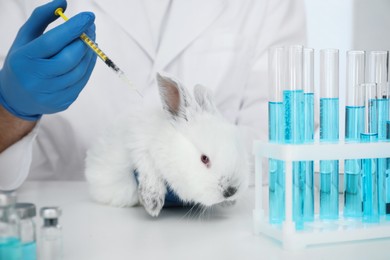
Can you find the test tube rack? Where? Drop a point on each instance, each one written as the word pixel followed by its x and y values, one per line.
pixel 319 231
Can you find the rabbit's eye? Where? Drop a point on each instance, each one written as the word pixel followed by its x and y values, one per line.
pixel 205 159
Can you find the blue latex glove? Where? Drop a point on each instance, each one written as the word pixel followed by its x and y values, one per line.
pixel 44 73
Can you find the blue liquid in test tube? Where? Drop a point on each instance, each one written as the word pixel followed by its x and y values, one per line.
pixel 294 127
pixel 370 181
pixel 329 170
pixel 293 109
pixel 276 171
pixel 329 131
pixel 382 112
pixel 382 107
pixel 370 166
pixel 387 176
pixel 377 72
pixel 354 126
pixel 308 166
pixel 276 167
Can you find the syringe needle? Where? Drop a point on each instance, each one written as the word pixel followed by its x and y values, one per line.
pixel 123 77
pixel 90 43
pixel 121 74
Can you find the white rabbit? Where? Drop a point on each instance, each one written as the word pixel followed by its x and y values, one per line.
pixel 187 146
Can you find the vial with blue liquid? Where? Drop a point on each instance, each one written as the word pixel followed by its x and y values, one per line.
pixel 28 245
pixel 354 126
pixel 9 228
pixel 276 172
pixel 329 132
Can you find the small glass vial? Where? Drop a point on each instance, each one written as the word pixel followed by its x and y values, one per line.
pixel 51 234
pixel 9 227
pixel 27 213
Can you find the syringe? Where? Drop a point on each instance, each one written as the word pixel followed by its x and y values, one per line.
pixel 101 54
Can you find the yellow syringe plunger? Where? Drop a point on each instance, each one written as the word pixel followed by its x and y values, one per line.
pixel 60 12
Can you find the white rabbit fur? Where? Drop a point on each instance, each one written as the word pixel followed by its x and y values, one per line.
pixel 165 147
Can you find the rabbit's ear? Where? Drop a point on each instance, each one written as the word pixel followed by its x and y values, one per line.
pixel 174 97
pixel 204 99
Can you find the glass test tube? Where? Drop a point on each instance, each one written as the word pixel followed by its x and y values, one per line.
pixel 377 73
pixel 354 125
pixel 276 66
pixel 369 166
pixel 387 173
pixel 293 99
pixel 329 131
pixel 387 176
pixel 307 167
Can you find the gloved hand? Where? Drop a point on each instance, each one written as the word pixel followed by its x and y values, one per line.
pixel 44 73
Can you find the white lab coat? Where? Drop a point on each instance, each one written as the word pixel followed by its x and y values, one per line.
pixel 221 44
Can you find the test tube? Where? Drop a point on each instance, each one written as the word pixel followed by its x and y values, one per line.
pixel 307 167
pixel 293 97
pixel 369 166
pixel 377 73
pixel 329 132
pixel 276 73
pixel 354 125
pixel 377 67
pixel 293 110
pixel 387 178
pixel 308 89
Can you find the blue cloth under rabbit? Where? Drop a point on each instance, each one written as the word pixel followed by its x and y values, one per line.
pixel 171 198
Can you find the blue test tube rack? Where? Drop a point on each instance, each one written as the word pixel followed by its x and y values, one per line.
pixel 318 231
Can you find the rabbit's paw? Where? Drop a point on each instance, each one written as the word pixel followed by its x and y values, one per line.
pixel 152 198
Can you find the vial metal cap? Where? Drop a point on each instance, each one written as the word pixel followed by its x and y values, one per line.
pixel 50 212
pixel 7 198
pixel 26 210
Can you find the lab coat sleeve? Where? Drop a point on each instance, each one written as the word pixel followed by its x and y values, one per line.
pixel 15 162
pixel 283 24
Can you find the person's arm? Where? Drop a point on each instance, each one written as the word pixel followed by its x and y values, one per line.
pixel 12 128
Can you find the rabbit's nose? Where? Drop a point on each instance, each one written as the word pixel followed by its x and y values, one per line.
pixel 230 191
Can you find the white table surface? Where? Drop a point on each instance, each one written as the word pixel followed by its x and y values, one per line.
pixel 92 231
